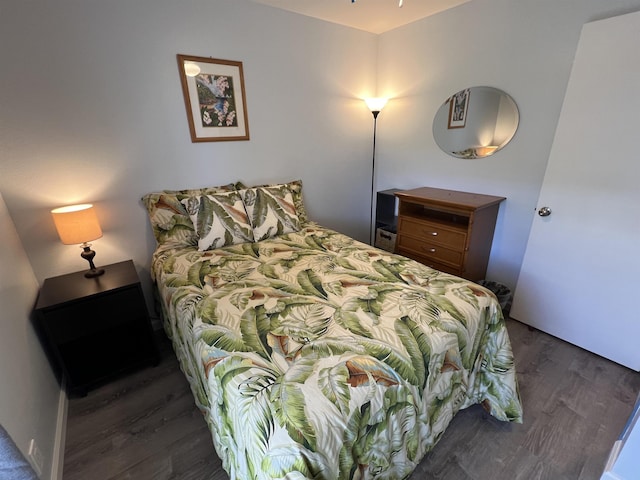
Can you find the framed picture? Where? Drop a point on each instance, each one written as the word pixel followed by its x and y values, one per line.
pixel 214 97
pixel 458 106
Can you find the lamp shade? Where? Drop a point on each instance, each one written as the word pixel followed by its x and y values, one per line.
pixel 376 104
pixel 76 224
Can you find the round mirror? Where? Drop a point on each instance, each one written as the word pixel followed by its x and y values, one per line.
pixel 475 122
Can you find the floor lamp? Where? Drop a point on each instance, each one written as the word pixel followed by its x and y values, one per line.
pixel 375 105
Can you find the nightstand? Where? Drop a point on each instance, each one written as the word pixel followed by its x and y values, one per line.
pixel 95 328
pixel 386 220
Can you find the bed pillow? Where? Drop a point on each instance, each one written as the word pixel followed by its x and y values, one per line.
pixel 169 218
pixel 271 211
pixel 219 220
pixel 296 191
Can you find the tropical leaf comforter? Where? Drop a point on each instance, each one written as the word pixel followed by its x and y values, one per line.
pixel 313 355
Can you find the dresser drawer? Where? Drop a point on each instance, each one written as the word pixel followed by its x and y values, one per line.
pixel 431 250
pixel 431 263
pixel 433 232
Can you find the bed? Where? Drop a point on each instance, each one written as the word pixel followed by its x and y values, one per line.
pixel 310 354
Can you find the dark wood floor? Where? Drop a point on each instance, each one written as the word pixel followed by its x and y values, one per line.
pixel 145 425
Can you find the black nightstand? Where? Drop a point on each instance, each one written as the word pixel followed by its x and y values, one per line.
pixel 95 328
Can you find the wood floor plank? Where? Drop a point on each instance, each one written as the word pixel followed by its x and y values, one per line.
pixel 146 425
pixel 188 458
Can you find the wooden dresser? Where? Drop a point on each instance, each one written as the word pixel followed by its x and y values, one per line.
pixel 448 230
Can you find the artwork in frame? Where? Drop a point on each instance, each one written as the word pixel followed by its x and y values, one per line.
pixel 214 97
pixel 458 107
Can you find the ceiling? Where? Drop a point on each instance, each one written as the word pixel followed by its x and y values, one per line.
pixel 375 16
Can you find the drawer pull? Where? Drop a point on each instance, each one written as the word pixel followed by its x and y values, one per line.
pixel 427 232
pixel 430 250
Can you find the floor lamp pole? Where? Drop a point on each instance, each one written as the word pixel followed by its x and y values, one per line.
pixel 372 229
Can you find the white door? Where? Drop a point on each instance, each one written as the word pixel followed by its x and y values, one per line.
pixel 580 278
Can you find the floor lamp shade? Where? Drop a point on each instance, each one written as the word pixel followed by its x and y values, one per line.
pixel 76 224
pixel 376 104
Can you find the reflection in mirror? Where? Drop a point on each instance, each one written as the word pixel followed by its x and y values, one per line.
pixel 475 122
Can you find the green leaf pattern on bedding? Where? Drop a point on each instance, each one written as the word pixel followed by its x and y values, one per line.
pixel 169 219
pixel 219 219
pixel 271 211
pixel 315 356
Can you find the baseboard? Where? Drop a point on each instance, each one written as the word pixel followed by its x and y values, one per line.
pixel 61 432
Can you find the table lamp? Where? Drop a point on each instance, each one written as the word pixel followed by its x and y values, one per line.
pixel 78 224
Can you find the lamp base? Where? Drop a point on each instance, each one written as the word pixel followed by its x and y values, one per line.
pixel 88 255
pixel 94 273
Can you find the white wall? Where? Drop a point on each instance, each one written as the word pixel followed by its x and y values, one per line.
pixel 29 393
pixel 525 48
pixel 92 111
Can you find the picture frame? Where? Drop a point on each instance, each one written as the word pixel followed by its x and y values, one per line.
pixel 458 107
pixel 214 97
